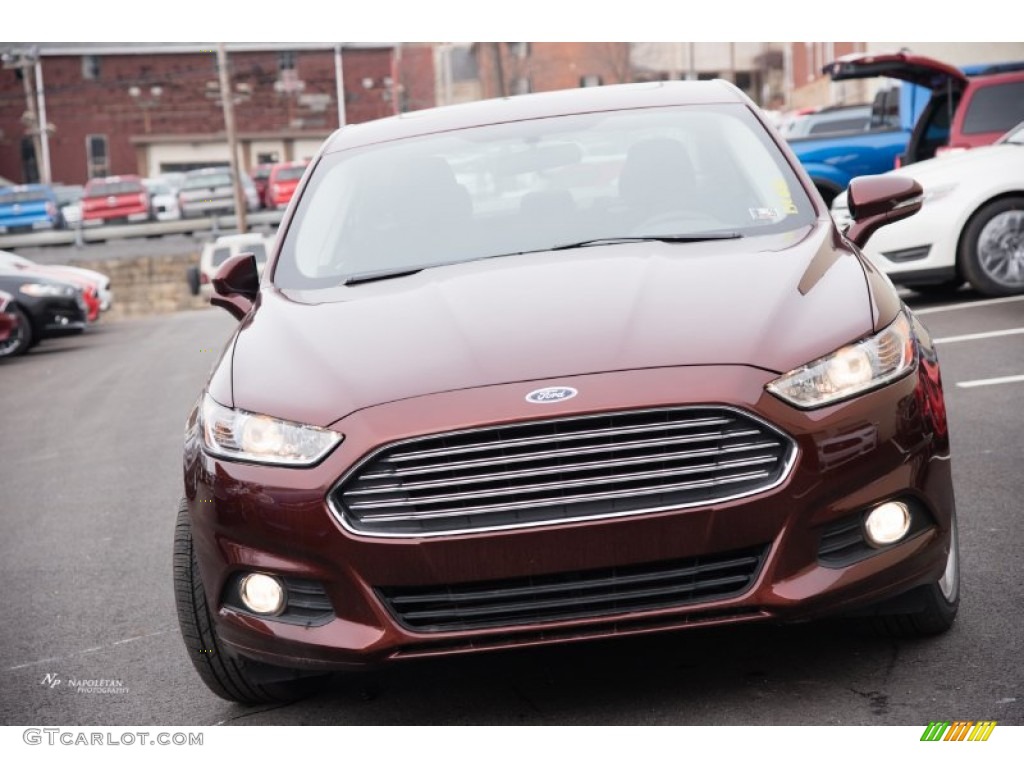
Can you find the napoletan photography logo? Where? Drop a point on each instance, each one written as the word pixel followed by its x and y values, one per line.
pixel 958 730
pixel 102 685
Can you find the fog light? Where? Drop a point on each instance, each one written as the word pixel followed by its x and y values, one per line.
pixel 887 523
pixel 262 594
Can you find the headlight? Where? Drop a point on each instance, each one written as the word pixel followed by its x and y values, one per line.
pixel 244 436
pixel 851 370
pixel 41 290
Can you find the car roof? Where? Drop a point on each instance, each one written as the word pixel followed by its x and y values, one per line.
pixel 210 170
pixel 534 106
pixel 26 188
pixel 248 237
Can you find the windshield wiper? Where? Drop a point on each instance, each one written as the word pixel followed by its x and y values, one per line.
pixel 383 274
pixel 387 274
pixel 699 237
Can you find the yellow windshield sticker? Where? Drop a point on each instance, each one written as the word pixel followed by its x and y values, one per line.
pixel 785 196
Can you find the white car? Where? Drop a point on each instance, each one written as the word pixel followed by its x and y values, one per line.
pixel 63 272
pixel 163 199
pixel 220 250
pixel 971 226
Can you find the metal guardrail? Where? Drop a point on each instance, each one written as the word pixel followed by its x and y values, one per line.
pixel 215 225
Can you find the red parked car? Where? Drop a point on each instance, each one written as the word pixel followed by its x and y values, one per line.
pixel 481 399
pixel 284 178
pixel 260 176
pixel 115 198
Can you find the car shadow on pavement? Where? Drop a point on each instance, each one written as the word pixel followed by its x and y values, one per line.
pixel 756 675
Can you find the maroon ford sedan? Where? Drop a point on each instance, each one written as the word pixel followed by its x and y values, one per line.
pixel 558 367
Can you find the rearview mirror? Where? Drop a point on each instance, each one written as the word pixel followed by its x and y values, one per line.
pixel 236 285
pixel 875 201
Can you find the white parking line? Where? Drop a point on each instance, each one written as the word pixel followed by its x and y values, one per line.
pixel 988 382
pixel 87 650
pixel 967 305
pixel 976 336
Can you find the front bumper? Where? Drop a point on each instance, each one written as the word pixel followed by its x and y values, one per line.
pixel 891 443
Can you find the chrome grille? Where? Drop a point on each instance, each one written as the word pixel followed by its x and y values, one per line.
pixel 556 470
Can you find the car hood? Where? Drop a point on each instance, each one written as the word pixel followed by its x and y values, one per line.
pixel 771 302
pixel 1000 159
pixel 982 166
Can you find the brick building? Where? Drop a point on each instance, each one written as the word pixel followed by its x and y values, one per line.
pixel 506 69
pixel 116 108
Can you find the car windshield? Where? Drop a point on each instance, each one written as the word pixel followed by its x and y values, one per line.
pixel 24 196
pixel 68 194
pixel 205 180
pixel 291 174
pixel 683 172
pixel 1016 136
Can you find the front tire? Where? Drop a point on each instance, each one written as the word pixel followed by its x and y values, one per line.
pixel 230 677
pixel 21 338
pixel 928 610
pixel 992 248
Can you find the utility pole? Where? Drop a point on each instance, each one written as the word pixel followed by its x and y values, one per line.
pixel 27 61
pixel 339 81
pixel 446 72
pixel 33 115
pixel 44 129
pixel 229 126
pixel 499 70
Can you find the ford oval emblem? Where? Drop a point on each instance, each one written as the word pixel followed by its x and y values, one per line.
pixel 551 395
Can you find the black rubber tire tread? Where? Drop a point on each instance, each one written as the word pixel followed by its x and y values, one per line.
pixel 967 253
pixel 934 614
pixel 935 617
pixel 224 674
pixel 27 337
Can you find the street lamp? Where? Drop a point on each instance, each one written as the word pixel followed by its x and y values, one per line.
pixel 30 62
pixel 146 103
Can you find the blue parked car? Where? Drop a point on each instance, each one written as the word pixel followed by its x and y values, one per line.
pixel 29 207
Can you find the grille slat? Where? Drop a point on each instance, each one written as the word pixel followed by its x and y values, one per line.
pixel 586 583
pixel 502 444
pixel 609 495
pixel 702 437
pixel 540 472
pixel 558 597
pixel 526 488
pixel 559 469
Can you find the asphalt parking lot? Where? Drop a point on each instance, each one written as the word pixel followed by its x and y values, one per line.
pixel 91 453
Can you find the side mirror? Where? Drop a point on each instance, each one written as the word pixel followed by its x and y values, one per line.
pixel 236 285
pixel 875 201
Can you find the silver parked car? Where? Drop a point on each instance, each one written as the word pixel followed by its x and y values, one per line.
pixel 209 192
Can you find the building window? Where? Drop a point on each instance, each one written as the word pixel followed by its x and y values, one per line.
pixel 590 81
pixel 286 61
pixel 519 50
pixel 90 67
pixel 98 158
pixel 748 83
pixel 520 85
